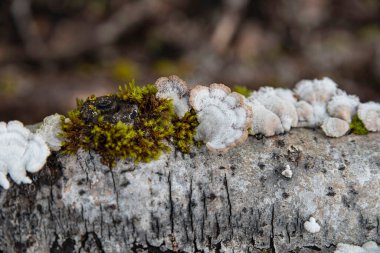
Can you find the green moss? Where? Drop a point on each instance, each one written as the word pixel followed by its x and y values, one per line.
pixel 146 138
pixel 242 90
pixel 184 131
pixel 357 126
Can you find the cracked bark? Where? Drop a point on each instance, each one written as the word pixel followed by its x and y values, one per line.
pixel 235 202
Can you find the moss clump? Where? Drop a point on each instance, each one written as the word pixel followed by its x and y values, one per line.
pixel 242 90
pixel 357 126
pixel 184 130
pixel 143 137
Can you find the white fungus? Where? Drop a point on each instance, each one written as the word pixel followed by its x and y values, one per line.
pixel 175 88
pixel 283 108
pixel 287 172
pixel 312 226
pixel 305 114
pixel 223 116
pixel 20 151
pixel 317 93
pixel 50 131
pixel 368 247
pixel 343 106
pixel 369 113
pixel 334 127
pixel 264 121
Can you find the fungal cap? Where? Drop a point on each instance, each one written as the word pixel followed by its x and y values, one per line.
pixel 51 131
pixel 369 113
pixel 287 172
pixel 316 91
pixel 283 108
pixel 368 247
pixel 175 88
pixel 312 226
pixel 334 127
pixel 223 116
pixel 305 114
pixel 20 151
pixel 343 106
pixel 286 94
pixel 264 121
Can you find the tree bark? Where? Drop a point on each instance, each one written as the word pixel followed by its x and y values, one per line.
pixel 235 202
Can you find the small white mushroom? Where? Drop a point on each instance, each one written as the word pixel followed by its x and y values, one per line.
pixel 305 114
pixel 20 151
pixel 368 247
pixel 223 116
pixel 264 121
pixel 175 88
pixel 312 226
pixel 283 108
pixel 287 172
pixel 334 127
pixel 317 93
pixel 369 113
pixel 343 106
pixel 50 131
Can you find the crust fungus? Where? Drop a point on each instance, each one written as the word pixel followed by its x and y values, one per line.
pixel 317 93
pixel 368 247
pixel 51 131
pixel 312 226
pixel 283 108
pixel 369 113
pixel 343 106
pixel 305 114
pixel 20 151
pixel 264 121
pixel 175 88
pixel 334 127
pixel 223 116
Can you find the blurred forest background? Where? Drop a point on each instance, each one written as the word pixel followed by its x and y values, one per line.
pixel 52 52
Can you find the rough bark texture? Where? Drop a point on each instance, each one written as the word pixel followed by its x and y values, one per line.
pixel 235 202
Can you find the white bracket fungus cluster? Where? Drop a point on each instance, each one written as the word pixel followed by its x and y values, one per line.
pixel 175 88
pixel 312 226
pixel 223 116
pixel 368 247
pixel 20 151
pixel 50 131
pixel 369 113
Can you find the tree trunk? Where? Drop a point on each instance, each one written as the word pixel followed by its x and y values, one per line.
pixel 235 202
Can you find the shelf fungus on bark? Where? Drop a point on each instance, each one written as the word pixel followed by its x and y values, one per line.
pixel 343 106
pixel 223 116
pixel 312 226
pixel 20 151
pixel 176 89
pixel 283 108
pixel 264 121
pixel 334 127
pixel 305 114
pixel 317 93
pixel 368 247
pixel 369 113
pixel 51 131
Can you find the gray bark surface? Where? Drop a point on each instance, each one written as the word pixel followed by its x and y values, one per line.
pixel 235 202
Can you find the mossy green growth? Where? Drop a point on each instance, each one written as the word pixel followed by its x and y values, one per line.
pixel 154 127
pixel 242 90
pixel 357 126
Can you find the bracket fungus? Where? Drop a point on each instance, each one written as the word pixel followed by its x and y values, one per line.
pixel 175 88
pixel 264 121
pixel 223 116
pixel 369 113
pixel 20 151
pixel 343 106
pixel 51 131
pixel 334 127
pixel 283 108
pixel 305 114
pixel 312 226
pixel 317 93
pixel 368 247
